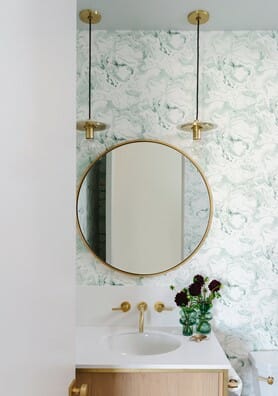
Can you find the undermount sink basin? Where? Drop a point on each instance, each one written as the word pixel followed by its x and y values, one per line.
pixel 142 343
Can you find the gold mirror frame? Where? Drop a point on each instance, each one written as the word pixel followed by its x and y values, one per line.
pixel 210 207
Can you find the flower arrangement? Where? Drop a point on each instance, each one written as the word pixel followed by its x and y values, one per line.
pixel 195 302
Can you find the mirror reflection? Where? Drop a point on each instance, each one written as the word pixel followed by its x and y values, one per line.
pixel 143 207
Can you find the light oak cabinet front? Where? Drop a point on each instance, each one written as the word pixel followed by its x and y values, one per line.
pixel 153 382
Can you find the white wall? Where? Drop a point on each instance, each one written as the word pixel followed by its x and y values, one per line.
pixel 37 196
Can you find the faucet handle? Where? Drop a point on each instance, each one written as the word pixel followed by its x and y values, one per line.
pixel 160 306
pixel 124 307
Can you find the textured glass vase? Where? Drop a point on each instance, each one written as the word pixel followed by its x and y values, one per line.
pixel 204 318
pixel 187 320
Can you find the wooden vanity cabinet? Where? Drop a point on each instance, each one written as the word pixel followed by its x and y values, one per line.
pixel 153 382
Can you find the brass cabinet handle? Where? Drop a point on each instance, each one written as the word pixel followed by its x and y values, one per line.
pixel 124 307
pixel 82 391
pixel 269 380
pixel 160 307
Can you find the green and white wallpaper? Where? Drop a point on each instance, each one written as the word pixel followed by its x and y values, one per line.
pixel 143 87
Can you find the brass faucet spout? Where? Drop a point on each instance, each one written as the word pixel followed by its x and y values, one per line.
pixel 142 307
pixel 141 321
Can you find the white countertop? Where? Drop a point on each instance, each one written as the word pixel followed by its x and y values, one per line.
pixel 92 351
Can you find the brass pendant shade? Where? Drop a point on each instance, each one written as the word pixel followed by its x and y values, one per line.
pixel 196 127
pixel 90 126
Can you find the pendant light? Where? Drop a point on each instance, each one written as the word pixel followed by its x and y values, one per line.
pixel 197 17
pixel 90 126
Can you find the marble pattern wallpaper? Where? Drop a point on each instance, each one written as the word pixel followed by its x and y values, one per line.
pixel 196 208
pixel 143 87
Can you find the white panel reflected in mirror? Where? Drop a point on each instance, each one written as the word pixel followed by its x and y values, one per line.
pixel 143 207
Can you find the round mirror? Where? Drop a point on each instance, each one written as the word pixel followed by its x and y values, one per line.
pixel 144 207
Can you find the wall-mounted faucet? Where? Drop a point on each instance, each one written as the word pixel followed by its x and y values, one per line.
pixel 142 307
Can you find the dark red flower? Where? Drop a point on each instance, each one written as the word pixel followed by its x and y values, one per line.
pixel 195 289
pixel 214 285
pixel 181 299
pixel 199 279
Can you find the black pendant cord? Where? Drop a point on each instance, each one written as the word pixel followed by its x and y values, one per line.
pixel 197 85
pixel 90 64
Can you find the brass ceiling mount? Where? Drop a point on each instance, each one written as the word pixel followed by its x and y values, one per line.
pixel 202 15
pixel 88 16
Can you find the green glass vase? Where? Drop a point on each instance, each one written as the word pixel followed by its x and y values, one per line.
pixel 204 318
pixel 187 320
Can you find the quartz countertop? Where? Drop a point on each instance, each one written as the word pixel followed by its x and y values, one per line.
pixel 92 351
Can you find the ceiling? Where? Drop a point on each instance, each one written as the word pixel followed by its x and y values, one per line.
pixel 172 14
